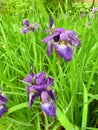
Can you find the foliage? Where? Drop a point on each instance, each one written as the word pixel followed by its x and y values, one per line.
pixel 76 82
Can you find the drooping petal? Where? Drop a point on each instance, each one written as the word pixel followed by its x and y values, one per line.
pixel 40 78
pixel 3 109
pixel 49 48
pixel 3 98
pixel 70 32
pixel 75 40
pixel 65 51
pixel 49 108
pixel 73 37
pixel 26 23
pixel 51 94
pixel 32 97
pixel 48 38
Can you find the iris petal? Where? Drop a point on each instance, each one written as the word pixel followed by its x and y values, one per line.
pixel 32 94
pixel 56 38
pixel 60 30
pixel 51 94
pixel 65 51
pixel 51 21
pixel 32 97
pixel 73 37
pixel 26 23
pixel 44 96
pixel 74 40
pixel 3 98
pixel 38 88
pixel 48 38
pixel 24 30
pixel 49 48
pixel 32 29
pixel 40 78
pixel 49 108
pixel 50 82
pixel 3 109
pixel 29 78
pixel 64 37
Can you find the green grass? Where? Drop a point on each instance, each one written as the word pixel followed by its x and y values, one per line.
pixel 75 82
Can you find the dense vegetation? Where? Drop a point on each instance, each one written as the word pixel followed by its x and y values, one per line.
pixel 75 82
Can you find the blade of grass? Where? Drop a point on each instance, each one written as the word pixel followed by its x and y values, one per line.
pixel 42 9
pixel 64 121
pixel 92 74
pixel 17 107
pixel 85 109
pixel 3 34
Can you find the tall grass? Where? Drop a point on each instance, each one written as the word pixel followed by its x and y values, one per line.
pixel 75 82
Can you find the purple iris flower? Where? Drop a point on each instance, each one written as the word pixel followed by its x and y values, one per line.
pixel 38 86
pixel 94 9
pixel 3 100
pixel 62 40
pixel 83 14
pixel 92 13
pixel 47 105
pixel 29 27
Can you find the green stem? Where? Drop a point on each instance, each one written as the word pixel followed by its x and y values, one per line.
pixel 46 122
pixel 93 2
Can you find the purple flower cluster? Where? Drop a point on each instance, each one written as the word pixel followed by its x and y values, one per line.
pixel 38 86
pixel 28 26
pixel 3 100
pixel 62 40
pixel 92 13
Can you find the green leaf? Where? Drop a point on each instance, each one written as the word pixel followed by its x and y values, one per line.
pixel 92 74
pixel 64 121
pixel 17 107
pixel 85 109
pixel 42 9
